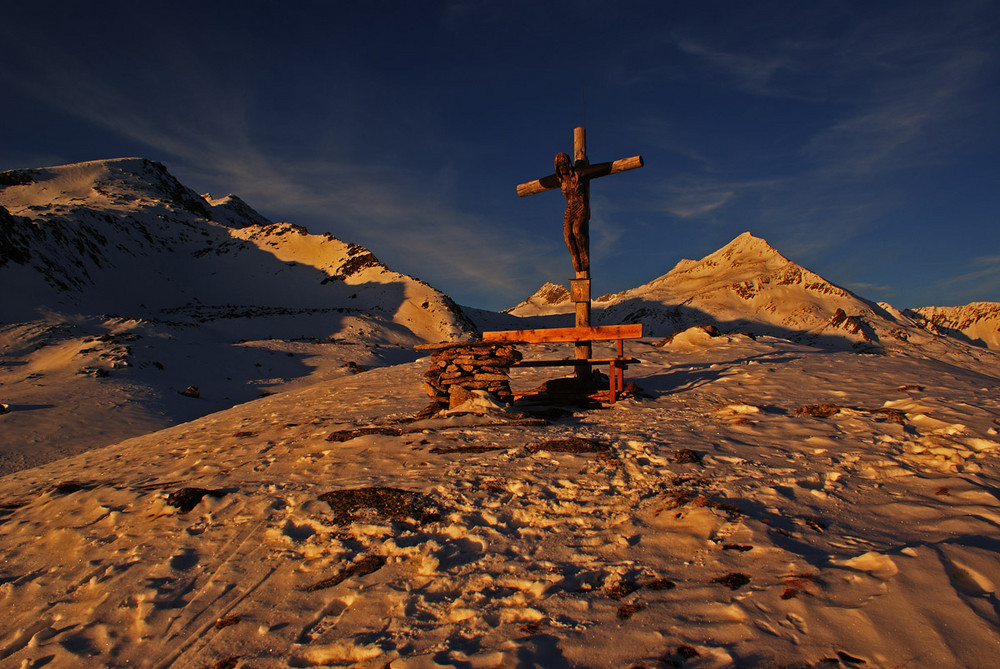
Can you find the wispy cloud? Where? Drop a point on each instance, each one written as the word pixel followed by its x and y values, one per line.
pixel 692 204
pixel 750 72
pixel 987 271
pixel 210 145
pixel 892 129
pixel 871 290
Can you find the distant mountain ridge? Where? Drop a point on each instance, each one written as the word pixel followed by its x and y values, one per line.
pixel 978 321
pixel 748 285
pixel 124 236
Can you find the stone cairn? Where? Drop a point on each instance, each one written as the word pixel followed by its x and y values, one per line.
pixel 458 368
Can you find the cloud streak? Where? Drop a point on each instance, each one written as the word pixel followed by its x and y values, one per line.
pixel 380 205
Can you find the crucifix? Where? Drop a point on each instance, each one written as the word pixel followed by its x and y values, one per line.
pixel 573 179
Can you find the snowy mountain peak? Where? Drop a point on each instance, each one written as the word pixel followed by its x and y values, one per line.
pixel 746 248
pixel 747 285
pixel 234 212
pixel 548 295
pixel 112 183
pixel 124 236
pixel 745 259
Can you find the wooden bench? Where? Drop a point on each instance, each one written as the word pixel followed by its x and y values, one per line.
pixel 616 365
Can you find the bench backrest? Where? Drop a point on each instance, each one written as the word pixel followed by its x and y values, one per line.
pixel 552 335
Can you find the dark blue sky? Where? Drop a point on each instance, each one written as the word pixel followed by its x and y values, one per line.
pixel 861 139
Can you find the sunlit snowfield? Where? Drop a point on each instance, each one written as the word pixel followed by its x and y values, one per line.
pixel 718 518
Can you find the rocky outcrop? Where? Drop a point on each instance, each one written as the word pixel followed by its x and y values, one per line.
pixel 979 322
pixel 470 367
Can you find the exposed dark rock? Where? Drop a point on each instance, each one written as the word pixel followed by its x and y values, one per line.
pixel 385 503
pixel 226 662
pixel 186 499
pixel 854 325
pixel 626 611
pixel 797 583
pixel 621 589
pixel 17 178
pixel 818 410
pixel 67 487
pixel 734 580
pixel 571 445
pixel 891 415
pixel 347 435
pixel 366 565
pixel 687 652
pixel 226 621
pixel 687 456
pixel 848 658
pixel 659 584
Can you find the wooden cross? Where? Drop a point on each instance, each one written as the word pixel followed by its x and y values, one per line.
pixel 575 184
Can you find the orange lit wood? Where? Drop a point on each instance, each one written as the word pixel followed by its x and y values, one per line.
pixel 571 362
pixel 590 172
pixel 616 333
pixel 554 335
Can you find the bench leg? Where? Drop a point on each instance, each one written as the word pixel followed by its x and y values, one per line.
pixel 616 379
pixel 613 379
pixel 617 372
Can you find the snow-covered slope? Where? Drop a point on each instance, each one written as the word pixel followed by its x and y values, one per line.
pixel 978 321
pixel 122 287
pixel 748 285
pixel 125 237
pixel 763 504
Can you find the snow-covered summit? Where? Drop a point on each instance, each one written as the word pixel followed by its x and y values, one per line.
pixel 118 183
pixel 545 298
pixel 231 210
pixel 747 266
pixel 747 285
pixel 124 236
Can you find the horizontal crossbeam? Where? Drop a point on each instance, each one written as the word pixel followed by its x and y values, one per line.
pixel 553 335
pixel 589 172
pixel 571 363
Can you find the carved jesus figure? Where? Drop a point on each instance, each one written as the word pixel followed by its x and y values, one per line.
pixel 576 228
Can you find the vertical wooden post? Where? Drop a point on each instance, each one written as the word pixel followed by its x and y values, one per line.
pixel 583 349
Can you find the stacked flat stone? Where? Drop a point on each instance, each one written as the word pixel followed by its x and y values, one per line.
pixel 462 367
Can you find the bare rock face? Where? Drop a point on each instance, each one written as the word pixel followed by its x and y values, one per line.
pixel 979 322
pixel 854 325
